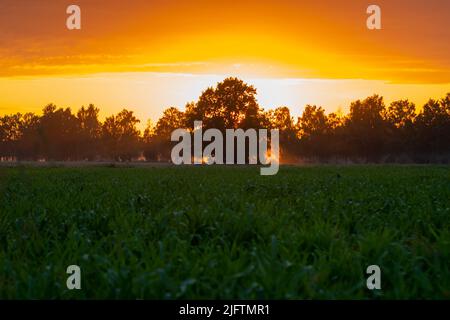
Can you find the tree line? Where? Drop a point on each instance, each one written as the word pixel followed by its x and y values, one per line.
pixel 370 132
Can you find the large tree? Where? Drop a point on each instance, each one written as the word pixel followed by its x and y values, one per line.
pixel 121 136
pixel 58 132
pixel 90 129
pixel 433 127
pixel 366 128
pixel 230 105
pixel 10 134
pixel 312 126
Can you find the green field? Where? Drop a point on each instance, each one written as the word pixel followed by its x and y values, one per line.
pixel 225 232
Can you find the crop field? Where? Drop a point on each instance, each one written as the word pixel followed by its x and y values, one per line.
pixel 225 232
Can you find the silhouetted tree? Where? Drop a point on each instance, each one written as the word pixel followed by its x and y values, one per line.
pixel 58 129
pixel 29 147
pixel 401 113
pixel 159 144
pixel 281 119
pixel 149 138
pixel 433 127
pixel 312 126
pixel 89 134
pixel 370 131
pixel 231 105
pixel 10 134
pixel 120 136
pixel 367 128
pixel 400 117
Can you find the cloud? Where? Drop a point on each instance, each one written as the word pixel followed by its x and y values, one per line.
pixel 284 38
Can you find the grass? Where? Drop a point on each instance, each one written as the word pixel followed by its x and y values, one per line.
pixel 225 232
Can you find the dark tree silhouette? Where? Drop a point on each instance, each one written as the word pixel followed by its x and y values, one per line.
pixel 159 143
pixel 58 131
pixel 367 128
pixel 90 130
pixel 10 134
pixel 29 144
pixel 281 119
pixel 433 129
pixel 120 136
pixel 312 128
pixel 231 105
pixel 369 132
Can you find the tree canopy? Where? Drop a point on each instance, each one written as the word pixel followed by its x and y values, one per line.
pixel 371 131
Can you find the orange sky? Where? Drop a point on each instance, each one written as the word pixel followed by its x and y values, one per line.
pixel 147 55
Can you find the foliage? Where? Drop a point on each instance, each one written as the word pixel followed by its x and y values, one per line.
pixel 370 132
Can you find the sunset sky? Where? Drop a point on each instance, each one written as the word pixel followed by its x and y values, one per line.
pixel 148 55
